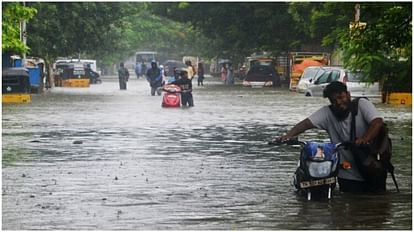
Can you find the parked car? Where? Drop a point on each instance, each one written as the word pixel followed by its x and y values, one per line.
pixel 262 74
pixel 355 86
pixel 169 66
pixel 307 77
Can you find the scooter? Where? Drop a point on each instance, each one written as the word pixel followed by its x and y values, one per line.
pixel 171 96
pixel 315 176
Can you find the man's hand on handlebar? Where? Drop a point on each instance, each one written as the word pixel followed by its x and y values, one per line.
pixel 285 139
pixel 282 139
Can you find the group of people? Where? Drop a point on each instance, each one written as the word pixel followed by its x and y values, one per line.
pixel 192 72
pixel 154 76
pixel 140 69
pixel 226 73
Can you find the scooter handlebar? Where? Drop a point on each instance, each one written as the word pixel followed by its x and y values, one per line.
pixel 295 141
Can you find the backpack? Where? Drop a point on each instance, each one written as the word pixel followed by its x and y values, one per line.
pixel 372 160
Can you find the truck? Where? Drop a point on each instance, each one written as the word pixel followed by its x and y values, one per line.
pixel 291 66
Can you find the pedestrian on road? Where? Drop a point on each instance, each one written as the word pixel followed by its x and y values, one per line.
pixel 123 75
pixel 92 75
pixel 154 78
pixel 143 69
pixel 200 73
pixel 138 69
pixel 335 119
pixel 190 70
pixel 223 72
pixel 230 77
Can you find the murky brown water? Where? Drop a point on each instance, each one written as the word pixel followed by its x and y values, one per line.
pixel 104 159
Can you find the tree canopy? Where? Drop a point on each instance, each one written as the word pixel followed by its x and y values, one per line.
pixel 106 31
pixel 13 13
pixel 73 28
pixel 382 50
pixel 235 29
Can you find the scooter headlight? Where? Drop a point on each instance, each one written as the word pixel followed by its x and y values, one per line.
pixel 320 169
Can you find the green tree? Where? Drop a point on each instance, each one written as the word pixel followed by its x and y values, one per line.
pixel 108 32
pixel 235 29
pixel 13 13
pixel 382 49
pixel 74 28
pixel 320 23
pixel 169 38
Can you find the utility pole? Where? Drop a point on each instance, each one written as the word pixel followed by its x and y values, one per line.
pixel 23 36
pixel 357 12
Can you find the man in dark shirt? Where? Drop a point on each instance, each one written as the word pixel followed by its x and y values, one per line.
pixel 123 76
pixel 154 77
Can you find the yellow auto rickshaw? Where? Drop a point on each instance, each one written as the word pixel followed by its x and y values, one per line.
pixel 71 74
pixel 16 85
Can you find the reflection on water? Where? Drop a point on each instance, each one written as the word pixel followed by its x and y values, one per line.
pixel 105 159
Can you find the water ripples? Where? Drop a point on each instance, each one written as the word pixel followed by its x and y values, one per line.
pixel 103 159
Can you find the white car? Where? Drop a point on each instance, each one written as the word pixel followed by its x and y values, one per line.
pixel 307 77
pixel 352 81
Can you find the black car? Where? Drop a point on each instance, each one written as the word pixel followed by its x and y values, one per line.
pixel 169 65
pixel 262 74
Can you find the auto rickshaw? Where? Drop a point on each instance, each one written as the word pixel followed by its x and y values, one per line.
pixel 71 75
pixel 16 85
pixel 58 73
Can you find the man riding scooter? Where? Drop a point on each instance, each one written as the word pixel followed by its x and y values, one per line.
pixel 154 77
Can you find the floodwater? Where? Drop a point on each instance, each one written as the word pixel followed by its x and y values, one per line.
pixel 103 159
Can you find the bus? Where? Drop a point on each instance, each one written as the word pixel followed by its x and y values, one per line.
pixel 145 56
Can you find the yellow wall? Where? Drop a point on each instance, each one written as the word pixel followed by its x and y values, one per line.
pixel 399 99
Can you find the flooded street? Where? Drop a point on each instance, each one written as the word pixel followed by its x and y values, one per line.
pixel 103 159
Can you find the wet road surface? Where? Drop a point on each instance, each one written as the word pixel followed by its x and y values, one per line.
pixel 103 159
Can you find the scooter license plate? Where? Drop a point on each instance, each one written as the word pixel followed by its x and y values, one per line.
pixel 313 183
